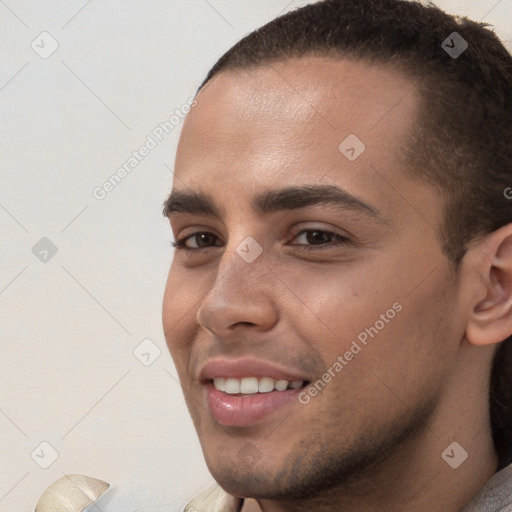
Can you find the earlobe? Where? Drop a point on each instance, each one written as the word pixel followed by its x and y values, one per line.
pixel 491 316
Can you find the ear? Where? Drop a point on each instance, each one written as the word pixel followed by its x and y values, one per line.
pixel 490 319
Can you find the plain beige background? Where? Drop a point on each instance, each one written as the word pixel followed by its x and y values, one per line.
pixel 72 323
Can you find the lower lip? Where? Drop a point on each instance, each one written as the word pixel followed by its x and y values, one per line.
pixel 243 411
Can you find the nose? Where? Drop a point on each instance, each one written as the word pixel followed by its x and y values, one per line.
pixel 242 295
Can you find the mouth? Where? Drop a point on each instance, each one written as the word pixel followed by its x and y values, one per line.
pixel 249 386
pixel 249 401
pixel 248 391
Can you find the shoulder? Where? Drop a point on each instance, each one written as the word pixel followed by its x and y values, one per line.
pixel 496 494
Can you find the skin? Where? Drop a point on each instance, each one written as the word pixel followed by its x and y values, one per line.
pixel 372 439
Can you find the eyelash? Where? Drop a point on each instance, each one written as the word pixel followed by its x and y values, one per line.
pixel 180 242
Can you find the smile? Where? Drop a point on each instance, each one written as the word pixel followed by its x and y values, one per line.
pixel 254 385
pixel 250 401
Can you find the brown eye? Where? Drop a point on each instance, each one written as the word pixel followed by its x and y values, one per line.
pixel 200 240
pixel 319 237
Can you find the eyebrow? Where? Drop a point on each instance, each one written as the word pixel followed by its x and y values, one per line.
pixel 271 201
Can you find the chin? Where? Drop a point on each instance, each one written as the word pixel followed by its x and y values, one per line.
pixel 238 478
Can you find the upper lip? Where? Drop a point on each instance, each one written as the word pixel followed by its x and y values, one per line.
pixel 248 367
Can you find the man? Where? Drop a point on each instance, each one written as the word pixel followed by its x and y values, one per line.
pixel 339 304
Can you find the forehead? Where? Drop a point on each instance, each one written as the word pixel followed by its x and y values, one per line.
pixel 291 121
pixel 329 93
pixel 319 96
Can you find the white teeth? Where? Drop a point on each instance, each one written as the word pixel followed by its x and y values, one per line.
pixel 281 385
pixel 253 385
pixel 248 385
pixel 220 384
pixel 266 385
pixel 232 386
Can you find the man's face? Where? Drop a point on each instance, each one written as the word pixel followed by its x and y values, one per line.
pixel 356 297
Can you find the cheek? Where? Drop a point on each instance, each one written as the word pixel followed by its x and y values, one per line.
pixel 332 305
pixel 385 334
pixel 407 350
pixel 426 341
pixel 181 298
pixel 178 317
